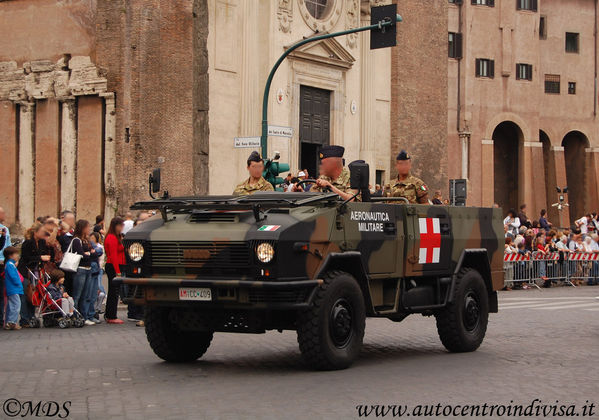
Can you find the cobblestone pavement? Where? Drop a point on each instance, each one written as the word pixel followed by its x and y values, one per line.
pixel 109 371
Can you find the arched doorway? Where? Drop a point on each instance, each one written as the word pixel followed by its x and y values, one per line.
pixel 507 138
pixel 574 144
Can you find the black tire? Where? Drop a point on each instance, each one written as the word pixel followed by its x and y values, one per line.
pixel 463 323
pixel 63 323
pixel 338 303
pixel 171 344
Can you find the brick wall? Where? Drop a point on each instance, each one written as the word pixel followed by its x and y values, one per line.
pixel 156 60
pixel 419 90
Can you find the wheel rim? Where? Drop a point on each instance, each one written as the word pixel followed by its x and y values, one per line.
pixel 341 321
pixel 471 315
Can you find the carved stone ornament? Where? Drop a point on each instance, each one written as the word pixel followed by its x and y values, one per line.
pixel 352 21
pixel 285 15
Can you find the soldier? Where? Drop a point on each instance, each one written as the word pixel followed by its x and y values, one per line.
pixel 407 185
pixel 255 182
pixel 332 173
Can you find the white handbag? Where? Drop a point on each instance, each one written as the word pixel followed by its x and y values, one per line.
pixel 70 260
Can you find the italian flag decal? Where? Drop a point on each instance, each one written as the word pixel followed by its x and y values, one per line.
pixel 268 228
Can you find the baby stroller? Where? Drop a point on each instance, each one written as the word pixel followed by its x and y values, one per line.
pixel 48 311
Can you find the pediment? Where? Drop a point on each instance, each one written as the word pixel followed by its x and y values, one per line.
pixel 326 51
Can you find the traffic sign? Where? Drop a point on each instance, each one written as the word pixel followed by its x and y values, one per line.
pixel 384 36
pixel 280 131
pixel 247 142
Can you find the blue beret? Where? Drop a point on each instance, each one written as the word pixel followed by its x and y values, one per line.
pixel 331 151
pixel 403 155
pixel 255 157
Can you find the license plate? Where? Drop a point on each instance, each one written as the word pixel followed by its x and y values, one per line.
pixel 195 293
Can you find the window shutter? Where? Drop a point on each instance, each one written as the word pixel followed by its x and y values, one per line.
pixel 518 3
pixel 517 71
pixel 477 67
pixel 458 45
pixel 491 3
pixel 474 2
pixel 534 5
pixel 491 68
pixel 530 72
pixel 458 1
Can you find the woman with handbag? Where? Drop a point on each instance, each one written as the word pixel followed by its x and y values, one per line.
pixel 34 254
pixel 83 278
pixel 115 257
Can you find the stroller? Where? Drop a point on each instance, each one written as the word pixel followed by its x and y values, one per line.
pixel 48 311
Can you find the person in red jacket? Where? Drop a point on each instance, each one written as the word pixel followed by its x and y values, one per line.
pixel 115 257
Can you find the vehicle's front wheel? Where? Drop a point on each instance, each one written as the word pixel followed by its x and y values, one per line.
pixel 463 323
pixel 169 342
pixel 331 330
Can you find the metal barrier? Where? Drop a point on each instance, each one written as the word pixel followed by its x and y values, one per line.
pixel 569 268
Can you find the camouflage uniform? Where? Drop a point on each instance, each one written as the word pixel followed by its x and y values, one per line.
pixel 341 183
pixel 411 188
pixel 245 188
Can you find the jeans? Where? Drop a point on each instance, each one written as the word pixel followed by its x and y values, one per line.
pixel 2 293
pixel 13 307
pixel 81 290
pixel 90 296
pixel 100 285
pixel 27 310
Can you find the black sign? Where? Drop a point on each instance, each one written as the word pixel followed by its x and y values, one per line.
pixel 386 36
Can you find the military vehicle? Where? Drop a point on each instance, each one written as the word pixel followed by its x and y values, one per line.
pixel 312 263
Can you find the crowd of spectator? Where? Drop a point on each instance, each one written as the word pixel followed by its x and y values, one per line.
pixel 539 237
pixel 39 258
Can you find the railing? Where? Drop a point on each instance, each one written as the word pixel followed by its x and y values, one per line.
pixel 568 268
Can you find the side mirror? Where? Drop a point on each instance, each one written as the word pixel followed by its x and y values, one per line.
pixel 154 181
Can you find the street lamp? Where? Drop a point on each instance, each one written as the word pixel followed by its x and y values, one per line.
pixel 561 202
pixel 383 22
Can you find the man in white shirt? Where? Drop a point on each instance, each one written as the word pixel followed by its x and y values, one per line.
pixel 583 223
pixel 128 224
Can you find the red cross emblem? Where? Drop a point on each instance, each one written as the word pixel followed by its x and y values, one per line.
pixel 430 241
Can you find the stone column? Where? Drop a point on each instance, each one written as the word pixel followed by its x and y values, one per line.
pixel 8 168
pixel 533 195
pixel 68 166
pixel 26 164
pixel 110 188
pixel 592 172
pixel 487 174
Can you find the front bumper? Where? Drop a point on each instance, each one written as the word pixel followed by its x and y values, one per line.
pixel 225 293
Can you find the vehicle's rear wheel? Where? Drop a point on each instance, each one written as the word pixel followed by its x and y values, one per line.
pixel 169 342
pixel 331 330
pixel 463 323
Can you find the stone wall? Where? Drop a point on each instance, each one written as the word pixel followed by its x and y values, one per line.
pixel 419 91
pixel 156 60
pixel 106 90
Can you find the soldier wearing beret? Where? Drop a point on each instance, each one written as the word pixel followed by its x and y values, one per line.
pixel 255 182
pixel 332 173
pixel 406 185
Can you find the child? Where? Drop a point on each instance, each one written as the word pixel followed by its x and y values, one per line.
pixel 14 288
pixel 97 272
pixel 56 290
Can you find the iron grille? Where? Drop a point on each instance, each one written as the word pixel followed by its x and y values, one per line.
pixel 201 254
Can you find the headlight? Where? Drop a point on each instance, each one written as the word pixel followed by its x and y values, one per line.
pixel 136 251
pixel 265 252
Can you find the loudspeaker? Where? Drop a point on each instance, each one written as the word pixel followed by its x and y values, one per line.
pixel 457 192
